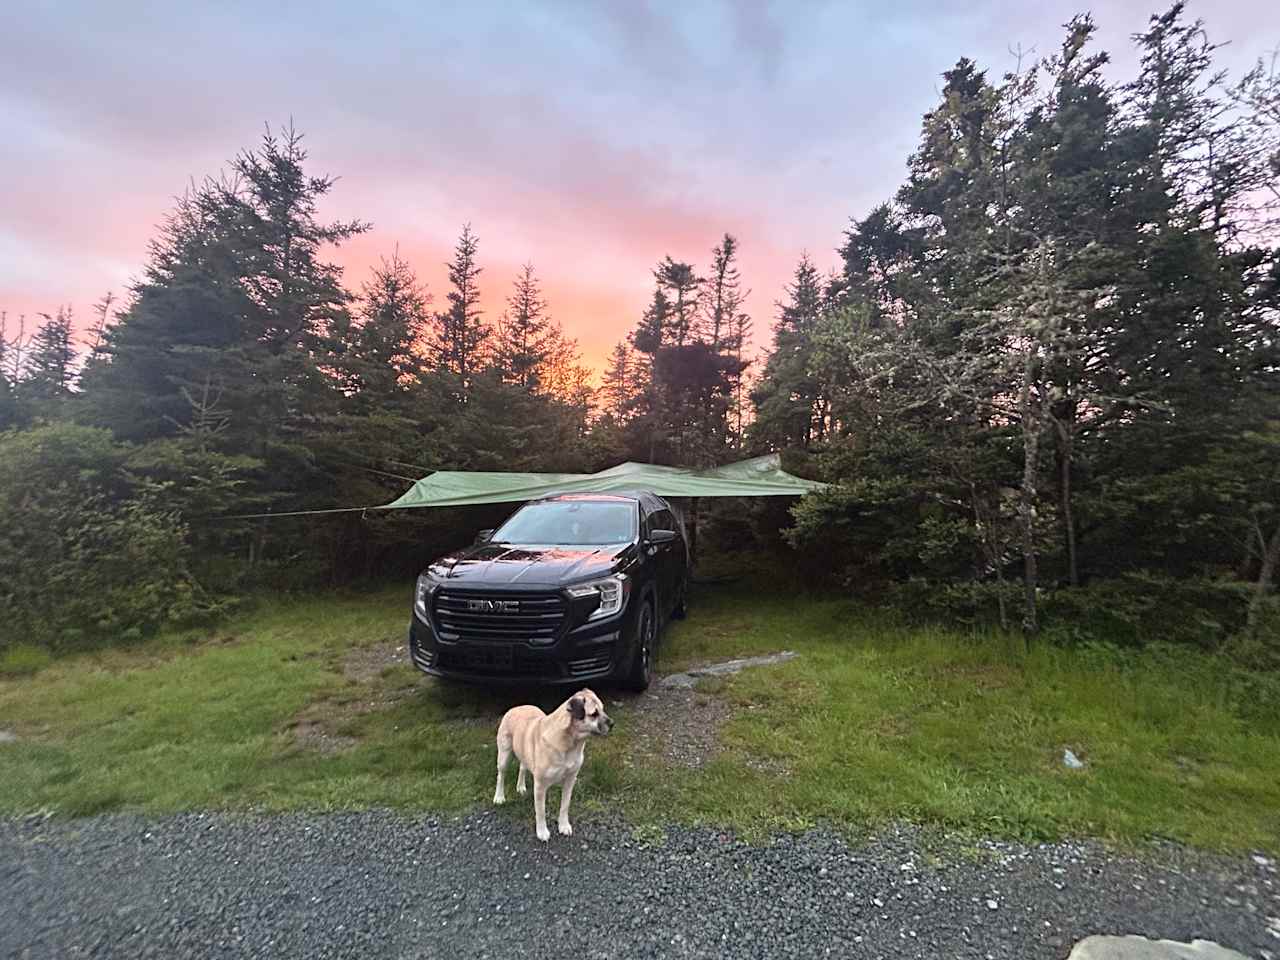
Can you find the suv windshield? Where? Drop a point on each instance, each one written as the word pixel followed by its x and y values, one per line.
pixel 571 522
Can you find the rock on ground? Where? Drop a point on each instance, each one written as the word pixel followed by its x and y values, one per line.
pixel 692 676
pixel 375 884
pixel 1140 948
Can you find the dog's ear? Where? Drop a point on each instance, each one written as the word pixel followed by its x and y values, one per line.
pixel 577 709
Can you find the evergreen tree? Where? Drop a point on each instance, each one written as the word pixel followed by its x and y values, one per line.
pixel 727 327
pixel 681 287
pixel 236 289
pixel 8 402
pixel 526 338
pixel 790 405
pixel 48 369
pixel 382 359
pixel 722 295
pixel 459 338
pixel 618 385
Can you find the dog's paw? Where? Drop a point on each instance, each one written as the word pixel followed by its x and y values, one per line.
pixel 543 834
pixel 566 829
pixel 521 789
pixel 499 799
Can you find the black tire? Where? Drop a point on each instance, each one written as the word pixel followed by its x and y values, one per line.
pixel 640 674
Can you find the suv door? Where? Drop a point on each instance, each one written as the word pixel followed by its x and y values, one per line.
pixel 669 558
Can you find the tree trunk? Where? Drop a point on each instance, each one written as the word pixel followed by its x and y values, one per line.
pixel 1066 453
pixel 991 547
pixel 1030 418
pixel 1270 558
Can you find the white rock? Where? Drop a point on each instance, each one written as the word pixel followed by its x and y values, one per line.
pixel 1140 948
pixel 1069 759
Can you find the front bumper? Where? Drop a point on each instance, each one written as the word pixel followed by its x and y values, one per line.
pixel 589 652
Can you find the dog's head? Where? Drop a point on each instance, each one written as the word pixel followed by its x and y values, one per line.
pixel 586 714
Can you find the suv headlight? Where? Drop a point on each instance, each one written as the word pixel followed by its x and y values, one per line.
pixel 426 586
pixel 612 591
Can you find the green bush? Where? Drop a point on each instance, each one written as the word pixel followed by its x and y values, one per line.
pixel 970 602
pixel 1139 609
pixel 89 553
pixel 1135 610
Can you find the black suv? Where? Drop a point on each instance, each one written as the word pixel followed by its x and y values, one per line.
pixel 573 587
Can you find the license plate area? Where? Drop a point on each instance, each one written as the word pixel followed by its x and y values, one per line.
pixel 498 658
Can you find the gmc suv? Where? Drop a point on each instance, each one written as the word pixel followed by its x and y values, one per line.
pixel 573 587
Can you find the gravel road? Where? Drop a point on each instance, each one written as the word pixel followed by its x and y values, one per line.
pixel 380 885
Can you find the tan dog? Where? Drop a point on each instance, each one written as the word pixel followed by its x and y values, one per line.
pixel 551 746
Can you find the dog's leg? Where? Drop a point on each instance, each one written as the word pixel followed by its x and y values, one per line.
pixel 520 787
pixel 540 808
pixel 566 797
pixel 504 755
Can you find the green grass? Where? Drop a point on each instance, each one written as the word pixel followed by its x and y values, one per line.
pixel 21 659
pixel 874 721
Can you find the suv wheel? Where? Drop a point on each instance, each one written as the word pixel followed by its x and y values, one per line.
pixel 641 672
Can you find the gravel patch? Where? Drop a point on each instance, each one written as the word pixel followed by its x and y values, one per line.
pixel 676 725
pixel 317 727
pixel 379 885
pixel 365 664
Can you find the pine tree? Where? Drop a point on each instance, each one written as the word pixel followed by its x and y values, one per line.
pixel 790 405
pixel 727 327
pixel 48 370
pixel 383 358
pixel 526 338
pixel 618 388
pixel 681 287
pixel 459 339
pixel 722 295
pixel 237 289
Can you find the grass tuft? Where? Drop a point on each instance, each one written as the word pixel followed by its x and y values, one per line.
pixel 23 659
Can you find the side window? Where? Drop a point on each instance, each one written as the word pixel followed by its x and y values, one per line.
pixel 647 524
pixel 663 520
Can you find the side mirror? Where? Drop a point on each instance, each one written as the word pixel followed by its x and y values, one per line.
pixel 662 536
pixel 484 536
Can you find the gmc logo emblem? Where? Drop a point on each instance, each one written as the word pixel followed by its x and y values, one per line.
pixel 493 606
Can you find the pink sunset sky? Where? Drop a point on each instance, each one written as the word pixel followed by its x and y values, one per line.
pixel 589 138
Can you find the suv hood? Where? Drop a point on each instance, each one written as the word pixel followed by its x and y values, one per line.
pixel 497 564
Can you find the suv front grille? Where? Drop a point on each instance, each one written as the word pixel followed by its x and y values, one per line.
pixel 466 615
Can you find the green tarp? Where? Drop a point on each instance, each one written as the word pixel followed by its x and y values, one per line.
pixel 759 477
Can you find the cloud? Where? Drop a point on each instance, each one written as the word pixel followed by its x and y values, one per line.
pixel 590 138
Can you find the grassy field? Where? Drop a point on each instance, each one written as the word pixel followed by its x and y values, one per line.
pixel 873 721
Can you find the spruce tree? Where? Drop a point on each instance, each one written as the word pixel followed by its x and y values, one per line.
pixel 790 406
pixel 526 337
pixel 48 369
pixel 382 359
pixel 458 341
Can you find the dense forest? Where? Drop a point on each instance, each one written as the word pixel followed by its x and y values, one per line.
pixel 1043 381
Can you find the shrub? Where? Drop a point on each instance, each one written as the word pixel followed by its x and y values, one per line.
pixel 1142 608
pixel 87 553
